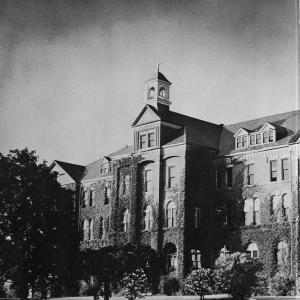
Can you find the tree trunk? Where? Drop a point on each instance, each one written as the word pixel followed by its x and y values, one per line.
pixel 106 290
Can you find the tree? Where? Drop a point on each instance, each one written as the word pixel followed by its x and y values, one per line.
pixel 199 282
pixel 37 224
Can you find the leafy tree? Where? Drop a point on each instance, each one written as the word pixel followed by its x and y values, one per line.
pixel 282 284
pixel 199 282
pixel 135 284
pixel 37 224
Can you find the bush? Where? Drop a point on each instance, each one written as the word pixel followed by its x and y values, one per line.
pixel 236 274
pixel 135 284
pixel 282 284
pixel 169 285
pixel 199 282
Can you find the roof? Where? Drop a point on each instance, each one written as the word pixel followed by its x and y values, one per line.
pixel 123 151
pixel 288 122
pixel 158 75
pixel 75 171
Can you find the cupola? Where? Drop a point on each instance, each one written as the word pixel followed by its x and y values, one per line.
pixel 157 90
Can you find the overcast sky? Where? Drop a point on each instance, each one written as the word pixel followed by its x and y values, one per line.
pixel 72 72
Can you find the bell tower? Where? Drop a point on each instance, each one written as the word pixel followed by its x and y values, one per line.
pixel 157 90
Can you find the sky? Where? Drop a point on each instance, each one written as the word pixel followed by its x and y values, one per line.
pixel 72 72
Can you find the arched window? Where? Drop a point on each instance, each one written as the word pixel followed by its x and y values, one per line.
pixel 91 229
pixel 148 218
pixel 252 250
pixel 126 220
pixel 171 214
pixel 151 92
pixel 101 228
pixel 256 211
pixel 285 206
pixel 162 92
pixel 224 252
pixel 148 180
pixel 196 258
pixel 282 253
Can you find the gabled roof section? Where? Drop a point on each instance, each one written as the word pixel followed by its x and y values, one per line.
pixel 287 124
pixel 75 171
pixel 123 151
pixel 242 131
pixel 147 115
pixel 92 170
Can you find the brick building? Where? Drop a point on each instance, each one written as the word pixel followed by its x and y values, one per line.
pixel 194 190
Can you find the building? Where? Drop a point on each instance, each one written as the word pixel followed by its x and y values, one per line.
pixel 194 190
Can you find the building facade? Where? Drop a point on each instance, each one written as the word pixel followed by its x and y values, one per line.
pixel 194 190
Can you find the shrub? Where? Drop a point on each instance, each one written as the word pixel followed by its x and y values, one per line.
pixel 236 274
pixel 199 282
pixel 169 285
pixel 282 284
pixel 135 284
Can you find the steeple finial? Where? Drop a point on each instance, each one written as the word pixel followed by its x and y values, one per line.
pixel 157 66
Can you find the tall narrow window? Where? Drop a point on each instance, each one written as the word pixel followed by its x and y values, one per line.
pixel 248 210
pixel 229 177
pixel 271 136
pixel 92 197
pixel 250 174
pixel 285 169
pixel 285 206
pixel 91 229
pixel 244 141
pixel 107 191
pixel 252 139
pixel 86 225
pixel 258 139
pixel 273 170
pixel 282 253
pixel 83 197
pixel 239 142
pixel 143 141
pixel 151 139
pixel 126 183
pixel 148 218
pixel 101 230
pixel 171 214
pixel 265 137
pixel 272 205
pixel 256 212
pixel 171 176
pixel 126 220
pixel 196 258
pixel 197 217
pixel 148 181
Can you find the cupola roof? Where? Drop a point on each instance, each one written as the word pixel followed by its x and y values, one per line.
pixel 158 76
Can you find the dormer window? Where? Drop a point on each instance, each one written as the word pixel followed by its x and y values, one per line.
pixel 252 139
pixel 104 168
pixel 241 141
pixel 244 141
pixel 271 136
pixel 258 139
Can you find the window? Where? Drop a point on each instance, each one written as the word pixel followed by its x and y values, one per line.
pixel 252 139
pixel 272 205
pixel 273 170
pixel 104 168
pixel 86 226
pixel 239 142
pixel 101 229
pixel 143 141
pixel 224 252
pixel 271 136
pixel 148 219
pixel 265 137
pixel 107 191
pixel 92 197
pixel 285 169
pixel 83 197
pixel 252 250
pixel 91 229
pixel 196 258
pixel 258 139
pixel 162 92
pixel 126 183
pixel 250 174
pixel 221 216
pixel 256 204
pixel 282 253
pixel 252 211
pixel 148 181
pixel 151 92
pixel 197 217
pixel 244 141
pixel 218 178
pixel 171 176
pixel 151 141
pixel 126 220
pixel 229 177
pixel 171 214
pixel 285 206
